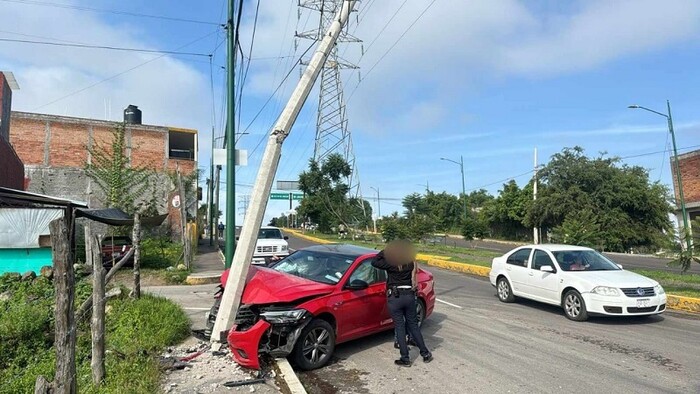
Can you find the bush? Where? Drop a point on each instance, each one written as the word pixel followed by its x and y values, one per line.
pixel 160 253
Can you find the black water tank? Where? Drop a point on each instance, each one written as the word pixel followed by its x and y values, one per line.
pixel 132 115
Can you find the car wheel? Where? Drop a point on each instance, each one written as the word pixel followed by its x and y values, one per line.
pixel 574 306
pixel 315 345
pixel 211 318
pixel 420 312
pixel 505 292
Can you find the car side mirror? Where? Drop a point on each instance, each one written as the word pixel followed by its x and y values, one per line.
pixel 547 268
pixel 357 284
pixel 620 265
pixel 286 237
pixel 237 238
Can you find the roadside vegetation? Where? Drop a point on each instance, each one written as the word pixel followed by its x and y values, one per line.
pixel 137 331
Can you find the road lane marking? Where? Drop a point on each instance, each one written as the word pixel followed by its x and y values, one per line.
pixel 196 309
pixel 448 303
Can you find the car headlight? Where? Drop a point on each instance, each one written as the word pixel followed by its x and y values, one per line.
pixel 285 247
pixel 659 290
pixel 282 317
pixel 605 291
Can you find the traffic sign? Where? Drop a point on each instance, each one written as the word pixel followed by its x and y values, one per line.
pixel 279 196
pixel 298 196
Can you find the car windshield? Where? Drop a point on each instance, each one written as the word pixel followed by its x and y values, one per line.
pixel 583 260
pixel 269 233
pixel 319 267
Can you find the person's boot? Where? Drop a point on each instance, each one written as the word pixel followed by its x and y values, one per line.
pixel 402 363
pixel 428 358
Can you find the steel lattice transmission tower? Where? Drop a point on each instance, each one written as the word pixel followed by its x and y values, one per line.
pixel 332 133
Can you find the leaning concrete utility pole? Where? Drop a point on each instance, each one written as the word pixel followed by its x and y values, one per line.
pixel 231 298
pixel 535 230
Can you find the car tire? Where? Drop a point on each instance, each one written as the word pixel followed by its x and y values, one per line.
pixel 315 345
pixel 504 290
pixel 420 312
pixel 211 318
pixel 574 306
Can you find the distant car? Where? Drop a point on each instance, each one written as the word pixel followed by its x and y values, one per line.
pixel 270 243
pixel 580 280
pixel 312 300
pixel 114 248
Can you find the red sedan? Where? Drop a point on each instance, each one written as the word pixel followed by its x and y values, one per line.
pixel 312 300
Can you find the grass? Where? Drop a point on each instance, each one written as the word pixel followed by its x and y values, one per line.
pixel 136 332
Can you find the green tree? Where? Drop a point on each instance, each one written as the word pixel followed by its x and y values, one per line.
pixel 112 170
pixel 622 205
pixel 506 215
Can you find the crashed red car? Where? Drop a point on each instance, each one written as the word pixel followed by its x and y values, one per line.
pixel 305 304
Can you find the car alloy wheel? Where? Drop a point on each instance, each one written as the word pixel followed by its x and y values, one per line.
pixel 504 292
pixel 316 345
pixel 574 306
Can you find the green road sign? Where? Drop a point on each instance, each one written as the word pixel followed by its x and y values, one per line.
pixel 279 196
pixel 298 196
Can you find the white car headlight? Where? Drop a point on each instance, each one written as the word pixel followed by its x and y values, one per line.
pixel 285 247
pixel 282 317
pixel 659 290
pixel 605 291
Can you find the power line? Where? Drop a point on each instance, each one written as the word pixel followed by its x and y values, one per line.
pixel 87 46
pixel 118 74
pixel 392 47
pixel 116 12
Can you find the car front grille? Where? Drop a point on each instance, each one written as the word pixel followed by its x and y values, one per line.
pixel 267 249
pixel 245 318
pixel 641 310
pixel 635 291
pixel 613 309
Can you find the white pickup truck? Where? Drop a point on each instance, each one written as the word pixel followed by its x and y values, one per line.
pixel 271 242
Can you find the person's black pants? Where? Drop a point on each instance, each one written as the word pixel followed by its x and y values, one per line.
pixel 404 307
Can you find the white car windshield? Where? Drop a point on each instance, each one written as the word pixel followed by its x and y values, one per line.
pixel 320 267
pixel 583 260
pixel 270 233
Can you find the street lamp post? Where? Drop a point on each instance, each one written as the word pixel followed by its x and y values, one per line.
pixel 669 119
pixel 379 208
pixel 464 190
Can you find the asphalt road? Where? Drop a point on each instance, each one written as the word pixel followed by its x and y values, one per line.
pixel 626 260
pixel 482 345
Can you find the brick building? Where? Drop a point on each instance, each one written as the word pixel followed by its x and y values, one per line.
pixel 54 150
pixel 11 167
pixel 689 164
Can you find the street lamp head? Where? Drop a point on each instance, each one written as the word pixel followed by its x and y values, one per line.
pixel 633 106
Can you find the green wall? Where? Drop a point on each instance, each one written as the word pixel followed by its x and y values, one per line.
pixel 23 260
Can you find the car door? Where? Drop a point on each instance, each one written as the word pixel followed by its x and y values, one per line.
pixel 517 266
pixel 361 311
pixel 544 285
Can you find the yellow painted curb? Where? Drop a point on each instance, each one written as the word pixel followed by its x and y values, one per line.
pixel 203 280
pixel 687 304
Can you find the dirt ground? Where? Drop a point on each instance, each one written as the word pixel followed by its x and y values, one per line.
pixel 208 372
pixel 148 278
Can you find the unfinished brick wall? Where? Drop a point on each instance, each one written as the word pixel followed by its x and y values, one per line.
pixel 690 175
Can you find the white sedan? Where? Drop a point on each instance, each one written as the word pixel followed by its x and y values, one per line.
pixel 580 280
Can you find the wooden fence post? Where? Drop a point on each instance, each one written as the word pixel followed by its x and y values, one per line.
pixel 64 282
pixel 98 312
pixel 137 256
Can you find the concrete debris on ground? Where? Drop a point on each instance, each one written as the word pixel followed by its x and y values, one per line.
pixel 207 372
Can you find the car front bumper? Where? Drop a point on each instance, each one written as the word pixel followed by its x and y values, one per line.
pixel 244 345
pixel 624 306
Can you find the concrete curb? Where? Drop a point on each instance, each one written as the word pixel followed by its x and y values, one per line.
pixel 290 378
pixel 687 304
pixel 203 279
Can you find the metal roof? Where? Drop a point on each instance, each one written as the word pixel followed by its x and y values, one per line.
pixel 21 197
pixel 10 78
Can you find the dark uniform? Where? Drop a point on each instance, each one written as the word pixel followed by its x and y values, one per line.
pixel 402 305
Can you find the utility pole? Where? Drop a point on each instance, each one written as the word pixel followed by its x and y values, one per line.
pixel 210 190
pixel 379 202
pixel 260 195
pixel 230 136
pixel 460 163
pixel 535 230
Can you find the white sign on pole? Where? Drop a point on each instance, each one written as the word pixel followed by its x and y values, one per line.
pixel 220 157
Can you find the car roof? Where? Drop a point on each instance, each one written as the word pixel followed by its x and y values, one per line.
pixel 342 249
pixel 557 247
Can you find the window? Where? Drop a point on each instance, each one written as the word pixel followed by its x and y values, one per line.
pixel 541 259
pixel 519 258
pixel 270 233
pixel 365 272
pixel 319 267
pixel 182 145
pixel 584 260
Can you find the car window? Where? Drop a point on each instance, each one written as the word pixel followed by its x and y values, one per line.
pixel 365 272
pixel 321 267
pixel 270 234
pixel 519 258
pixel 540 259
pixel 584 260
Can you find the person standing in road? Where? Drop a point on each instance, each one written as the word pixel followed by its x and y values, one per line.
pixel 398 260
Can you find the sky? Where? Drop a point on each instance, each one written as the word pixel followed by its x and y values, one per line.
pixel 487 80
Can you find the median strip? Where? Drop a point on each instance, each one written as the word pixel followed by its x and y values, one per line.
pixel 687 304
